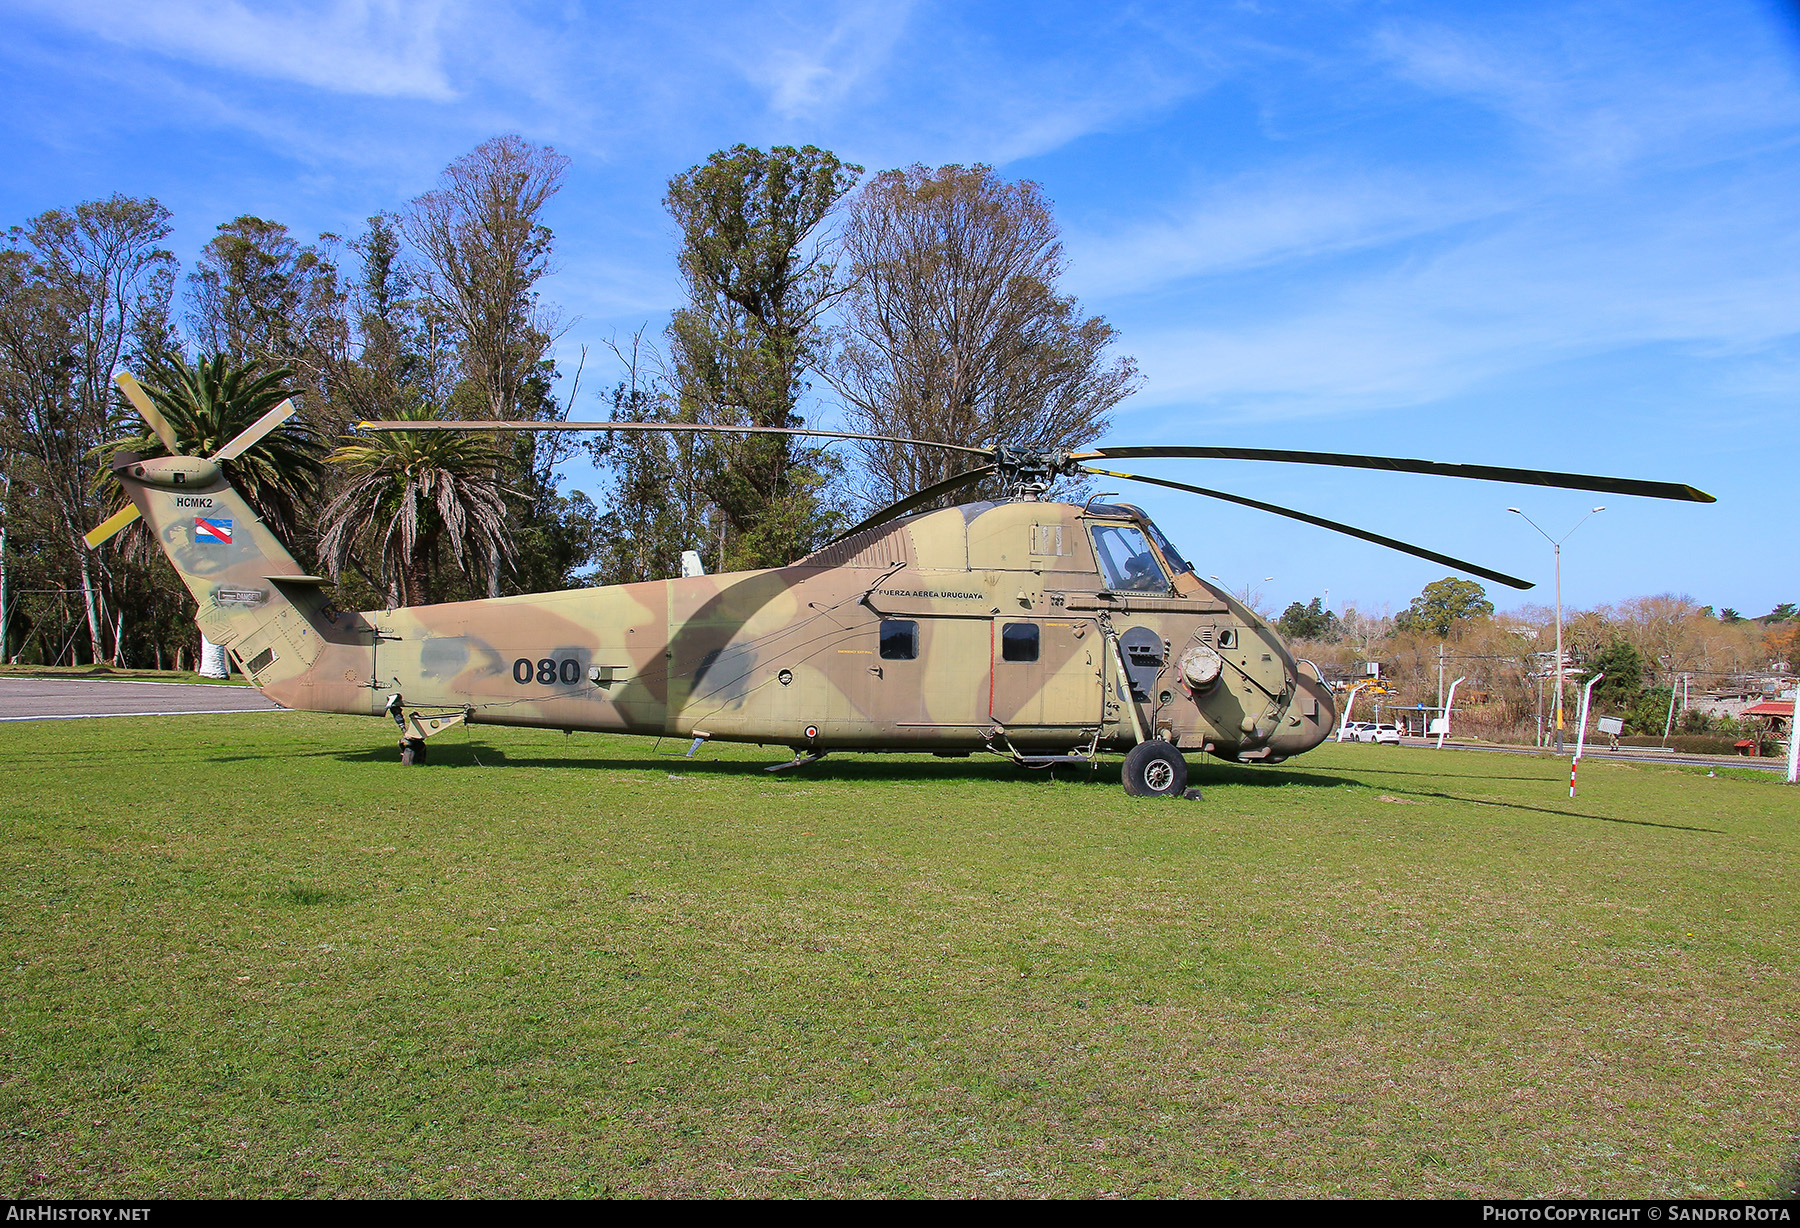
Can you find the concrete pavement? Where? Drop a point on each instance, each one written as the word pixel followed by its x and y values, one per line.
pixel 54 699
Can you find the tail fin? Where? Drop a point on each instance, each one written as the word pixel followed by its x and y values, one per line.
pixel 253 599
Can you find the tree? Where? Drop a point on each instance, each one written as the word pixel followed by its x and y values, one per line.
pixel 1623 666
pixel 1308 622
pixel 1783 643
pixel 749 333
pixel 482 233
pixel 210 404
pixel 74 289
pixel 1445 606
pixel 1649 712
pixel 258 296
pixel 654 506
pixel 953 329
pixel 410 492
pixel 401 351
pixel 486 247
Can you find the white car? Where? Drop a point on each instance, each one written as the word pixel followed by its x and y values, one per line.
pixel 1353 732
pixel 1379 734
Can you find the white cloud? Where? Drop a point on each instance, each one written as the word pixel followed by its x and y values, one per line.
pixel 1640 194
pixel 812 66
pixel 1268 218
pixel 1716 272
pixel 388 48
pixel 1599 90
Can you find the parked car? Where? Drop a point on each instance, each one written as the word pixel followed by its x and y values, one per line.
pixel 1353 731
pixel 1389 734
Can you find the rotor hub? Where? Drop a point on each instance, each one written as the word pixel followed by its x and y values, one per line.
pixel 1027 470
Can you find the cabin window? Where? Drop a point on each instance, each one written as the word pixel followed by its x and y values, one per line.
pixel 899 639
pixel 1127 561
pixel 1019 642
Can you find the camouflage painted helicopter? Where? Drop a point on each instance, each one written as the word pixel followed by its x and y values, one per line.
pixel 1047 632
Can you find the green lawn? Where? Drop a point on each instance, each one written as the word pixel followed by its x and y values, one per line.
pixel 252 955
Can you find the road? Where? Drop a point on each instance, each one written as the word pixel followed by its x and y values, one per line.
pixel 62 699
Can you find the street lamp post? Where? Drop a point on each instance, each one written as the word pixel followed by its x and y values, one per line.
pixel 1244 597
pixel 1558 545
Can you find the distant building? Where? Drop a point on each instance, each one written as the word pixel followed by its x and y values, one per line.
pixel 1779 713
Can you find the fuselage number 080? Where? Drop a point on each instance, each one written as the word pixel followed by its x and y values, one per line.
pixel 547 672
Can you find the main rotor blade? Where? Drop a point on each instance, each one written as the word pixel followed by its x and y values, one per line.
pixel 894 511
pixel 112 524
pixel 506 424
pixel 159 425
pixel 1491 473
pixel 247 438
pixel 1336 527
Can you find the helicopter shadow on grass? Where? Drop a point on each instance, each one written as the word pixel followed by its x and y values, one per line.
pixel 871 771
pixel 1498 776
pixel 1560 814
pixel 845 769
pixel 1382 769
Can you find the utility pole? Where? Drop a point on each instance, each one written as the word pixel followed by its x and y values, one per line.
pixel 1441 680
pixel 1558 544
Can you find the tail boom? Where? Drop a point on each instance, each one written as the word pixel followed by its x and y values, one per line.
pixel 253 598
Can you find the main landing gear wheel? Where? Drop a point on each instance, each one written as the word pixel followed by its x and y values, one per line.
pixel 1155 769
pixel 412 752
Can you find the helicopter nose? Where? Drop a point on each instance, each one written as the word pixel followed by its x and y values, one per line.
pixel 1310 717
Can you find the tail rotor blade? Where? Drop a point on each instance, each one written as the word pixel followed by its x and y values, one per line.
pixel 1391 543
pixel 256 430
pixel 159 425
pixel 104 531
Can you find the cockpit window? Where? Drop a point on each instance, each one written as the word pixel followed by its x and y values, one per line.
pixel 1170 555
pixel 1127 561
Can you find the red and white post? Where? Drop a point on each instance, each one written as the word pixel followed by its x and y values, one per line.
pixel 1587 696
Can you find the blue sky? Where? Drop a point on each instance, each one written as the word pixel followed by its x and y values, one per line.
pixel 1560 236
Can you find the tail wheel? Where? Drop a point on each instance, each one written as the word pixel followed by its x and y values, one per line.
pixel 1155 769
pixel 412 752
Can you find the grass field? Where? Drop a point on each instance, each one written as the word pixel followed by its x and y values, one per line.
pixel 252 955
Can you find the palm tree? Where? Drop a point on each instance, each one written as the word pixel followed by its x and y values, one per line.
pixel 210 404
pixel 412 491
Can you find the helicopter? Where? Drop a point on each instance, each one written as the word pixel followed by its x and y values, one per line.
pixel 1047 632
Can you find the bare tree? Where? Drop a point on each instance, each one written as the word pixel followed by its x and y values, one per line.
pixel 486 246
pixel 482 236
pixel 73 290
pixel 953 330
pixel 655 505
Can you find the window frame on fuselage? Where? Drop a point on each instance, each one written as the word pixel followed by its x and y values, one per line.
pixel 1114 575
pixel 1027 633
pixel 885 636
